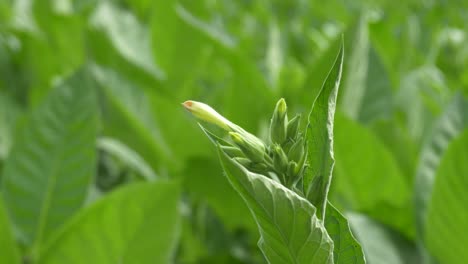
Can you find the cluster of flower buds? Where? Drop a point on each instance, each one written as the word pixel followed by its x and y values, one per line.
pixel 282 159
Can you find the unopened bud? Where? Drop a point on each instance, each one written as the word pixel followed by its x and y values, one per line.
pixel 280 160
pixel 258 167
pixel 297 150
pixel 293 127
pixel 279 122
pixel 232 151
pixel 206 113
pixel 243 161
pixel 252 147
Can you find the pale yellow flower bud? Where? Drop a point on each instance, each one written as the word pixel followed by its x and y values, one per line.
pixel 205 113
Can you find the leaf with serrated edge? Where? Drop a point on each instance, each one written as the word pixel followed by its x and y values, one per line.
pixel 50 166
pixel 320 138
pixel 346 248
pixel 290 231
pixel 135 224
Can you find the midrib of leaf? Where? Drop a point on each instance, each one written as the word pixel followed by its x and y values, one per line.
pixel 286 241
pixel 51 183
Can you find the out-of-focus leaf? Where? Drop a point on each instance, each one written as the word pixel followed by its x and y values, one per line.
pixel 346 250
pixel 10 253
pixel 128 117
pixel 203 180
pixel 176 46
pixel 446 222
pixel 9 112
pixel 318 71
pixel 118 40
pixel 447 127
pixel 318 177
pixel 51 163
pixel 56 48
pixel 128 156
pixel 422 95
pixel 289 228
pixel 355 70
pixel 136 224
pixel 368 177
pixel 381 245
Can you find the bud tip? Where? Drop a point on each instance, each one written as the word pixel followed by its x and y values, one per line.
pixel 188 105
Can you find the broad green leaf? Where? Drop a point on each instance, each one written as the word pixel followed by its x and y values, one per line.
pixel 10 252
pixel 446 225
pixel 51 163
pixel 127 116
pixel 135 224
pixel 368 177
pixel 355 72
pixel 346 249
pixel 320 139
pixel 447 127
pixel 381 244
pixel 289 228
pixel 128 156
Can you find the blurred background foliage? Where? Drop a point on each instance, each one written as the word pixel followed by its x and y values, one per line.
pixel 402 103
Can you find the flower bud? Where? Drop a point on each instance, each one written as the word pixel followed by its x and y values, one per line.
pixel 261 168
pixel 252 147
pixel 293 127
pixel 232 151
pixel 280 160
pixel 297 150
pixel 279 122
pixel 205 113
pixel 243 161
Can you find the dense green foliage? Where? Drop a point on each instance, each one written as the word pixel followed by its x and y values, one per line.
pixel 99 163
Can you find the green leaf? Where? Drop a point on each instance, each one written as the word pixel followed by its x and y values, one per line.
pixel 50 166
pixel 7 243
pixel 355 73
pixel 368 178
pixel 446 225
pixel 447 127
pixel 128 117
pixel 346 249
pixel 128 156
pixel 381 244
pixel 120 41
pixel 136 224
pixel 203 181
pixel 320 138
pixel 289 228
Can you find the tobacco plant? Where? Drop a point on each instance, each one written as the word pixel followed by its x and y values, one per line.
pixel 285 179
